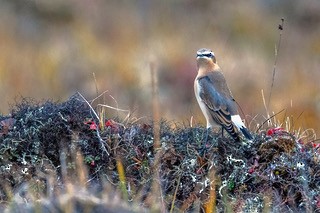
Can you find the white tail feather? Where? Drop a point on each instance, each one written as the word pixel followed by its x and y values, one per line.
pixel 236 119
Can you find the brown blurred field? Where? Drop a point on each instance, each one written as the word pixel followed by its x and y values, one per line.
pixel 49 50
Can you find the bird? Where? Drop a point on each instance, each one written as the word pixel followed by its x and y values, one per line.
pixel 215 99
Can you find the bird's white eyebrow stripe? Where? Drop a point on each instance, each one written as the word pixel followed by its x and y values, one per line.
pixel 205 52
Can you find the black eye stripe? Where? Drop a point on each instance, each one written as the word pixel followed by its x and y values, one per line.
pixel 209 55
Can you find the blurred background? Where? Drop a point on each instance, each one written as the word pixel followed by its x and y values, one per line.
pixel 50 50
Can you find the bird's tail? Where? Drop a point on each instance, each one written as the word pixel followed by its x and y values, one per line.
pixel 240 125
pixel 246 133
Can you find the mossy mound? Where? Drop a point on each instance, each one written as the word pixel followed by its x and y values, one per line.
pixel 39 144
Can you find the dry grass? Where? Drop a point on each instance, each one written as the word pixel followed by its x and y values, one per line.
pixel 62 165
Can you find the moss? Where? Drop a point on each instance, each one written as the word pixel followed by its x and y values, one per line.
pixel 39 142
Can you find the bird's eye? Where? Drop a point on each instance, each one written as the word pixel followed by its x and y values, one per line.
pixel 209 55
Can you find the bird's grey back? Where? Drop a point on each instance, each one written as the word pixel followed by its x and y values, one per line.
pixel 220 84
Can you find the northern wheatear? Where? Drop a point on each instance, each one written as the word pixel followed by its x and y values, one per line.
pixel 215 98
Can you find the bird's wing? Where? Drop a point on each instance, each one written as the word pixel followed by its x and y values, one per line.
pixel 221 107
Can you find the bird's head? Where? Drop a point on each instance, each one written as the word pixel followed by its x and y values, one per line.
pixel 205 57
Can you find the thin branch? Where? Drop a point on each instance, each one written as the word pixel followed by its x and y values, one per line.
pixel 268 119
pixel 93 100
pixel 102 142
pixel 115 108
pixel 95 82
pixel 277 49
pixel 89 106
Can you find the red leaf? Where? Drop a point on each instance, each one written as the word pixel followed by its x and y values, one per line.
pixel 275 131
pixel 110 122
pixel 318 201
pixel 92 125
pixel 315 145
pixel 251 170
pixel 114 126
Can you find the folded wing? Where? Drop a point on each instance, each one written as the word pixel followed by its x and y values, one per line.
pixel 219 103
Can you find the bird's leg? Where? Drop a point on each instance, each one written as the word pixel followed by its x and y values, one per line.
pixel 222 130
pixel 207 133
pixel 202 152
